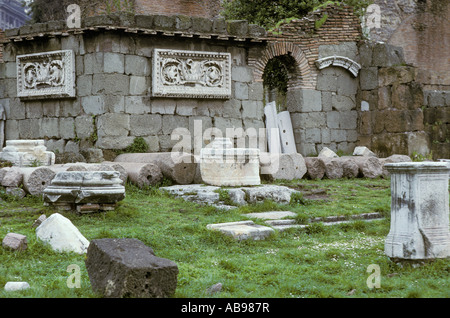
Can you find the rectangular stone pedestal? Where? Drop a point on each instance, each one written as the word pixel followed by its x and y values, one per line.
pixel 419 211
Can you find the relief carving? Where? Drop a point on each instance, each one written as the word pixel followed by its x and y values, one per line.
pixel 340 61
pixel 46 75
pixel 191 74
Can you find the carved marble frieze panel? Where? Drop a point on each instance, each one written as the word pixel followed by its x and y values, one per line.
pixel 46 75
pixel 191 74
pixel 340 61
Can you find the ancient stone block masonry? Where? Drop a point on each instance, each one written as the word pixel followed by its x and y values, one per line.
pixel 118 96
pixel 390 101
pixel 341 92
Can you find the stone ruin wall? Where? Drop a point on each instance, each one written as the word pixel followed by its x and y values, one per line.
pixel 385 107
pixel 415 109
pixel 322 103
pixel 113 103
pixel 2 37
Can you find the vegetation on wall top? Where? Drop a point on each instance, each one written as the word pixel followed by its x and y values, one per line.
pixel 268 14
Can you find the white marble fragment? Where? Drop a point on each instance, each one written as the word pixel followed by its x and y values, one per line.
pixel 62 235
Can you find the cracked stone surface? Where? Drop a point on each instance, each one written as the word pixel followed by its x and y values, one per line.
pixel 206 194
pixel 72 188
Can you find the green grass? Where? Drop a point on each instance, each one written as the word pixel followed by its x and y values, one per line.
pixel 312 262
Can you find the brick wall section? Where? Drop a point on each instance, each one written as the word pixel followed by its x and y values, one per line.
pixel 196 8
pixel 322 103
pixel 302 40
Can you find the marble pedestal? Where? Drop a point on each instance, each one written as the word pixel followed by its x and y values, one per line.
pixel 222 165
pixel 27 152
pixel 419 211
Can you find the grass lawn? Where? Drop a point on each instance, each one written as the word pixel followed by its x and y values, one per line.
pixel 313 262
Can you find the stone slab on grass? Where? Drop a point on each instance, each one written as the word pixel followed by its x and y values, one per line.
pixel 271 215
pixel 209 194
pixel 242 230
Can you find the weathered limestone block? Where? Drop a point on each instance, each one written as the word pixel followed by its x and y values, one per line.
pixel 179 167
pixel 419 211
pixel 369 167
pixel 286 133
pixel 17 192
pixel 128 268
pixel 242 230
pixel 15 241
pixel 278 194
pixel 315 168
pixel 393 159
pixel 363 151
pixel 12 177
pixel 39 221
pixel 62 235
pixel 327 153
pixel 85 191
pixel 222 165
pixel 27 152
pixel 333 167
pixel 273 133
pixel 350 167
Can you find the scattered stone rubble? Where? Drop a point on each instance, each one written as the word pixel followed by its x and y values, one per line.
pixel 15 242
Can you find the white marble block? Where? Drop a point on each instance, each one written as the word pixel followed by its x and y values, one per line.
pixel 286 133
pixel 191 74
pixel 419 211
pixel 27 152
pixel 221 165
pixel 62 235
pixel 46 75
pixel 273 133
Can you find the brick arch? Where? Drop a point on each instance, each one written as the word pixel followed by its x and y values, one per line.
pixel 301 78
